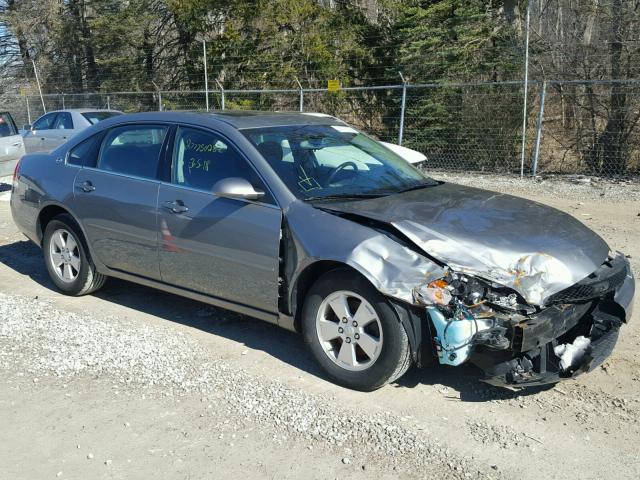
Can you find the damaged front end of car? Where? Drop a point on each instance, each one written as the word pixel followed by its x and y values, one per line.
pixel 517 343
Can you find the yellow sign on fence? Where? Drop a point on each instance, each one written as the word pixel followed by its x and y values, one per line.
pixel 333 85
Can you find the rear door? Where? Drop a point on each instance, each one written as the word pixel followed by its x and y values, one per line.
pixel 63 129
pixel 116 199
pixel 11 144
pixel 222 247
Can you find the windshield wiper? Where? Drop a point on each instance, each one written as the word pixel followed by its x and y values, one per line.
pixel 346 196
pixel 417 187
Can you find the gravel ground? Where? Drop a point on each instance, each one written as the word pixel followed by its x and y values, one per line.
pixel 151 384
pixel 575 187
pixel 36 340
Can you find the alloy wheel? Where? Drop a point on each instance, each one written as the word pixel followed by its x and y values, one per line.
pixel 64 254
pixel 349 330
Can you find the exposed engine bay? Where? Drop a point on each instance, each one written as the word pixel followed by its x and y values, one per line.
pixel 516 343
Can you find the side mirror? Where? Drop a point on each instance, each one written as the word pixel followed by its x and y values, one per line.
pixel 235 187
pixel 27 126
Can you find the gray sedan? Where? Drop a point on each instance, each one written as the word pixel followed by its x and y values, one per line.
pixel 54 128
pixel 303 221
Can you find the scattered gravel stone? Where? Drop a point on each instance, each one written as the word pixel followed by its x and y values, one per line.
pixel 90 456
pixel 346 461
pixel 499 435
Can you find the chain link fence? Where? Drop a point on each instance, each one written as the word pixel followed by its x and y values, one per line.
pixel 573 127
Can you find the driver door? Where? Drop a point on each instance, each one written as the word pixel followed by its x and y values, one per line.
pixel 222 247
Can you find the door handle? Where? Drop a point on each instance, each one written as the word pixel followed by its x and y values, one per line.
pixel 176 207
pixel 17 144
pixel 86 186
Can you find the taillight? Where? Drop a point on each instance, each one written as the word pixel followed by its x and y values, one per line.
pixel 16 172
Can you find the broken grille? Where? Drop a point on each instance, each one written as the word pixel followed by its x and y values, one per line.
pixel 607 278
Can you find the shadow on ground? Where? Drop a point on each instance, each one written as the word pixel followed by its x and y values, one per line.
pixel 26 258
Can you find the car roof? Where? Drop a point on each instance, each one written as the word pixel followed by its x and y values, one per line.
pixel 239 119
pixel 83 110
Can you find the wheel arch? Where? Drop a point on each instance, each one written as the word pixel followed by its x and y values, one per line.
pixel 414 321
pixel 52 210
pixel 47 214
pixel 306 278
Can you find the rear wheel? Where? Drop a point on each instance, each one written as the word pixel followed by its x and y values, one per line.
pixel 67 258
pixel 353 332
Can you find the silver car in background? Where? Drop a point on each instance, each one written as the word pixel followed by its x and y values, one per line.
pixel 305 222
pixel 11 144
pixel 56 127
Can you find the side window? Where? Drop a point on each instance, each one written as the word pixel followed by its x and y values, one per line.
pixel 63 121
pixel 133 150
pixel 45 122
pixel 86 153
pixel 200 159
pixel 7 127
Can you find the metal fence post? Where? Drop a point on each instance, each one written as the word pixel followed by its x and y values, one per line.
pixel 108 104
pixel 63 106
pixel 28 109
pixel 526 89
pixel 534 168
pixel 222 94
pixel 402 109
pixel 206 74
pixel 301 94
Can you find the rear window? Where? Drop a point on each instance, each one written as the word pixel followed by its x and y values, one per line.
pixel 95 117
pixel 7 127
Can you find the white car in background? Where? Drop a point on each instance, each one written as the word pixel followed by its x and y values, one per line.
pixel 54 128
pixel 412 156
pixel 11 144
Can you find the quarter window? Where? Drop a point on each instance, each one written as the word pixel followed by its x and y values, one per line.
pixel 133 150
pixel 86 153
pixel 203 158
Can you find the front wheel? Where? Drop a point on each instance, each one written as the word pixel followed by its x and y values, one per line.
pixel 353 332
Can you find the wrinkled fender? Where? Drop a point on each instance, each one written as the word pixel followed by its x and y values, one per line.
pixel 312 235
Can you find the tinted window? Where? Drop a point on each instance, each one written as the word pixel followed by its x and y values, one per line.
pixel 133 150
pixel 7 127
pixel 95 117
pixel 45 122
pixel 86 152
pixel 63 121
pixel 202 158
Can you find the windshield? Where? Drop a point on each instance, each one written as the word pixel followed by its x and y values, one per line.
pixel 321 161
pixel 95 117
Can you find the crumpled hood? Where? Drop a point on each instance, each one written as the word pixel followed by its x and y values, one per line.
pixel 532 248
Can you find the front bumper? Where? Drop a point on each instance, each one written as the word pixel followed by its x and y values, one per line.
pixel 537 364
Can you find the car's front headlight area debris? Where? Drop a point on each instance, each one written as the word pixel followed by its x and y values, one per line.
pixel 467 312
pixel 516 343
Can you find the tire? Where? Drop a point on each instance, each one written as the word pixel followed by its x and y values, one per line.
pixel 377 351
pixel 64 242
